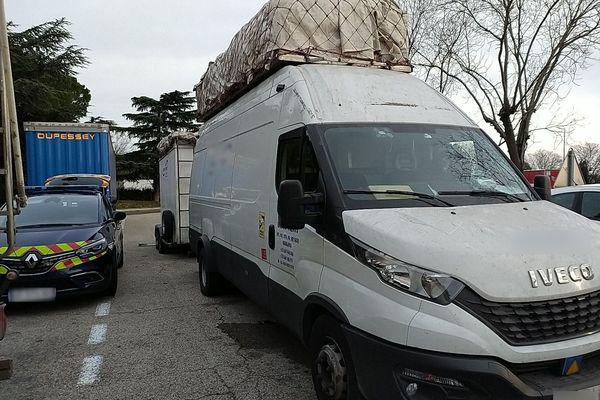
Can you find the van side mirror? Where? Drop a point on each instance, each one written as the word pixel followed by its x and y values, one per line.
pixel 542 186
pixel 294 207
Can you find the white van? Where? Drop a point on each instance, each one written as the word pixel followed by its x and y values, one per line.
pixel 378 223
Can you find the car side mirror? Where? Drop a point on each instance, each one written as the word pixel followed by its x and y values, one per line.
pixel 119 216
pixel 293 206
pixel 542 186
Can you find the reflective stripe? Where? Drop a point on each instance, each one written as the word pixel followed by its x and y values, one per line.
pixel 64 247
pixel 21 251
pixel 45 250
pixel 76 261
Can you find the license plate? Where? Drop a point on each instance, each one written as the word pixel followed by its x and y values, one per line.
pixel 592 393
pixel 31 295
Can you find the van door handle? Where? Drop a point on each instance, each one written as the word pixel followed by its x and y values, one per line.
pixel 272 237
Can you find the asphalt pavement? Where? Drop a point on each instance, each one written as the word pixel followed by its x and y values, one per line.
pixel 158 338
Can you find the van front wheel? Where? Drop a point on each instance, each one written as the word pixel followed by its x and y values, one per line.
pixel 331 363
pixel 210 282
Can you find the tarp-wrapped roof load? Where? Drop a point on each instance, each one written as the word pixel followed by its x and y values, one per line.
pixel 168 142
pixel 365 32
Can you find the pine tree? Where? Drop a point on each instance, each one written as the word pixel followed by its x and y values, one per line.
pixel 155 119
pixel 44 68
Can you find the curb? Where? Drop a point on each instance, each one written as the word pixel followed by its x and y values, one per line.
pixel 141 211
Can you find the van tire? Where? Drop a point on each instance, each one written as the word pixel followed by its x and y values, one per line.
pixel 329 349
pixel 211 283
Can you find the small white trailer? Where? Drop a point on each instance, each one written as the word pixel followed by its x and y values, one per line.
pixel 175 167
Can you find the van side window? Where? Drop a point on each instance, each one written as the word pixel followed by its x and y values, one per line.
pixel 288 159
pixel 296 160
pixel 310 168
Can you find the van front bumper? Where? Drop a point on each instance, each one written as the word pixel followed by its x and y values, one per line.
pixel 385 371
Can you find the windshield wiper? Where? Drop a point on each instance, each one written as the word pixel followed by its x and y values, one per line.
pixel 401 192
pixel 482 193
pixel 44 225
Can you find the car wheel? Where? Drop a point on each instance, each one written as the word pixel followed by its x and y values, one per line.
pixel 331 362
pixel 121 257
pixel 113 282
pixel 211 283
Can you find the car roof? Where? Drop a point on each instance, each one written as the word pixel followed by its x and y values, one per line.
pixel 575 189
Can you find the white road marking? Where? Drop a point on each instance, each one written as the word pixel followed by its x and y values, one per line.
pixel 103 309
pixel 98 334
pixel 90 370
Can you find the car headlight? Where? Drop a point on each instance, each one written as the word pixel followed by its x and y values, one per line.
pixel 433 286
pixel 92 249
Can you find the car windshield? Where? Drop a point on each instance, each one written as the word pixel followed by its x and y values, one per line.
pixel 390 162
pixel 57 210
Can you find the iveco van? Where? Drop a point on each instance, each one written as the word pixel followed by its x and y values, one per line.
pixel 383 227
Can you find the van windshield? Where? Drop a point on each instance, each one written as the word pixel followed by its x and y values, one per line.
pixel 387 162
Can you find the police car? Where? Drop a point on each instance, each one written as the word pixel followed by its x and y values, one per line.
pixel 69 240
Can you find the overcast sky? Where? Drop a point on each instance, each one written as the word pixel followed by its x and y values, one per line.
pixel 148 47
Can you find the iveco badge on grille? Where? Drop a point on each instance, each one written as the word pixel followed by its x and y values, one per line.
pixel 562 275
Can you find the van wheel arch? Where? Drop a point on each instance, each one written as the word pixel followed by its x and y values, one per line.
pixel 315 306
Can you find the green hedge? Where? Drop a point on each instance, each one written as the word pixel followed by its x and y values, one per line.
pixel 135 194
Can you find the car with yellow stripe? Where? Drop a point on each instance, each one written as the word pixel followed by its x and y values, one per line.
pixel 69 240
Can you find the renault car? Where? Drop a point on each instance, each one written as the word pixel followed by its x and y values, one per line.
pixel 69 240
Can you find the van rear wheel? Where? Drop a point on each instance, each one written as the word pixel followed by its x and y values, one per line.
pixel 211 283
pixel 331 362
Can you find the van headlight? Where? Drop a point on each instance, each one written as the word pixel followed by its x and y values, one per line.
pixel 96 247
pixel 439 288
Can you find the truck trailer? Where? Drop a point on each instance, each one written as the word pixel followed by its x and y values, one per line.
pixel 175 166
pixel 53 148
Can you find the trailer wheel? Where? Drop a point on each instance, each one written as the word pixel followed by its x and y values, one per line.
pixel 157 229
pixel 168 226
pixel 211 283
pixel 159 244
pixel 331 362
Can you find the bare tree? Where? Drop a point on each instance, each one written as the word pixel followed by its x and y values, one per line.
pixel 588 155
pixel 544 159
pixel 121 142
pixel 512 57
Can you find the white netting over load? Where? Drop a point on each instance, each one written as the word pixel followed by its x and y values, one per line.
pixel 369 32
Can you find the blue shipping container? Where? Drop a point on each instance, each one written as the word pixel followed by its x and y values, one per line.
pixel 67 148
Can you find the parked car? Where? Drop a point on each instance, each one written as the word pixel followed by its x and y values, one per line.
pixel 69 240
pixel 385 229
pixel 583 199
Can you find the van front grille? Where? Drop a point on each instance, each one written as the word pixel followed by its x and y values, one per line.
pixel 522 324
